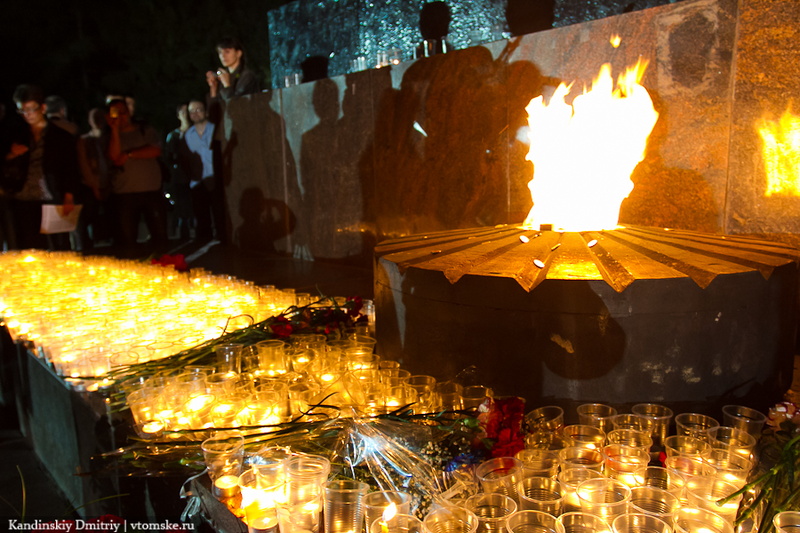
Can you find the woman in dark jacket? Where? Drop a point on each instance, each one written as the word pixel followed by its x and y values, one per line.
pixel 41 167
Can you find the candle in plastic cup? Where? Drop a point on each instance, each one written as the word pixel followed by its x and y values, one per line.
pixel 375 503
pixel 603 497
pixel 705 494
pixel 732 439
pixel 692 520
pixel 399 523
pixel 570 479
pixel 259 502
pixel 630 437
pixel 622 462
pixel 224 456
pixel 730 466
pixel 660 478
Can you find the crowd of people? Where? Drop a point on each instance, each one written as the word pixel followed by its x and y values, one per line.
pixel 133 189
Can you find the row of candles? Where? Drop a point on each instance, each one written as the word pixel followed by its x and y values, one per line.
pixel 275 381
pixel 92 314
pixel 599 475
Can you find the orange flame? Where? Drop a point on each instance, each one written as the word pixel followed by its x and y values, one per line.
pixel 583 154
pixel 781 152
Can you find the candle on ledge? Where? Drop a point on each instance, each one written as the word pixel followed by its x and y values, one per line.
pixel 226 486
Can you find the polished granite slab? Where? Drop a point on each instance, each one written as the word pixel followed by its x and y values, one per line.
pixel 329 168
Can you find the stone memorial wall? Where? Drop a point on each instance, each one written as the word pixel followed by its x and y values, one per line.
pixel 327 169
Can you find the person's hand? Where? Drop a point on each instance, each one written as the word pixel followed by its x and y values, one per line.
pixel 16 150
pixel 224 77
pixel 211 79
pixel 69 204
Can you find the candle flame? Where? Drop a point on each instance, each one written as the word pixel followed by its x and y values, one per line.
pixel 389 512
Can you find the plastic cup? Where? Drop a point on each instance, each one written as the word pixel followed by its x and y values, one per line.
pixel 450 520
pixel 694 424
pixel 531 522
pixel 744 418
pixel 730 466
pixel 686 446
pixel 622 462
pixel 632 421
pixel 660 478
pixel 597 414
pixel 705 493
pixel 344 512
pixel 584 436
pixel 541 494
pixel 570 479
pixel 492 510
pixel 581 522
pixel 375 504
pixel 583 457
pixel 603 497
pixel 659 416
pixel 538 463
pixel 787 522
pixel 654 501
pixel 229 358
pixel 691 520
pixel 500 475
pixel 548 418
pixel 259 502
pixel 732 439
pixel 224 456
pixel 640 523
pixel 399 523
pixel 630 437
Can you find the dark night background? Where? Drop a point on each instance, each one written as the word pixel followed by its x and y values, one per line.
pixel 158 51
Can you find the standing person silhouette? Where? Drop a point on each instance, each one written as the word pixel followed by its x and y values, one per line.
pixel 134 151
pixel 43 163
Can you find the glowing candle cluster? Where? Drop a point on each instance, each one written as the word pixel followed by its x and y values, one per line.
pixel 90 314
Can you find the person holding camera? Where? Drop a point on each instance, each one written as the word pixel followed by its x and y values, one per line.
pixel 232 78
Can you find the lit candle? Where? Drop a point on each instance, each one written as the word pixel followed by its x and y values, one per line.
pixel 226 486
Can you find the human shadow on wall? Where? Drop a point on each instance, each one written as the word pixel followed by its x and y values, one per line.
pixel 445 149
pixel 259 197
pixel 264 221
pixel 328 166
pixel 668 197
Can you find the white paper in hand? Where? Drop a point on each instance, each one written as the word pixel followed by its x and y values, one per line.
pixel 54 221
